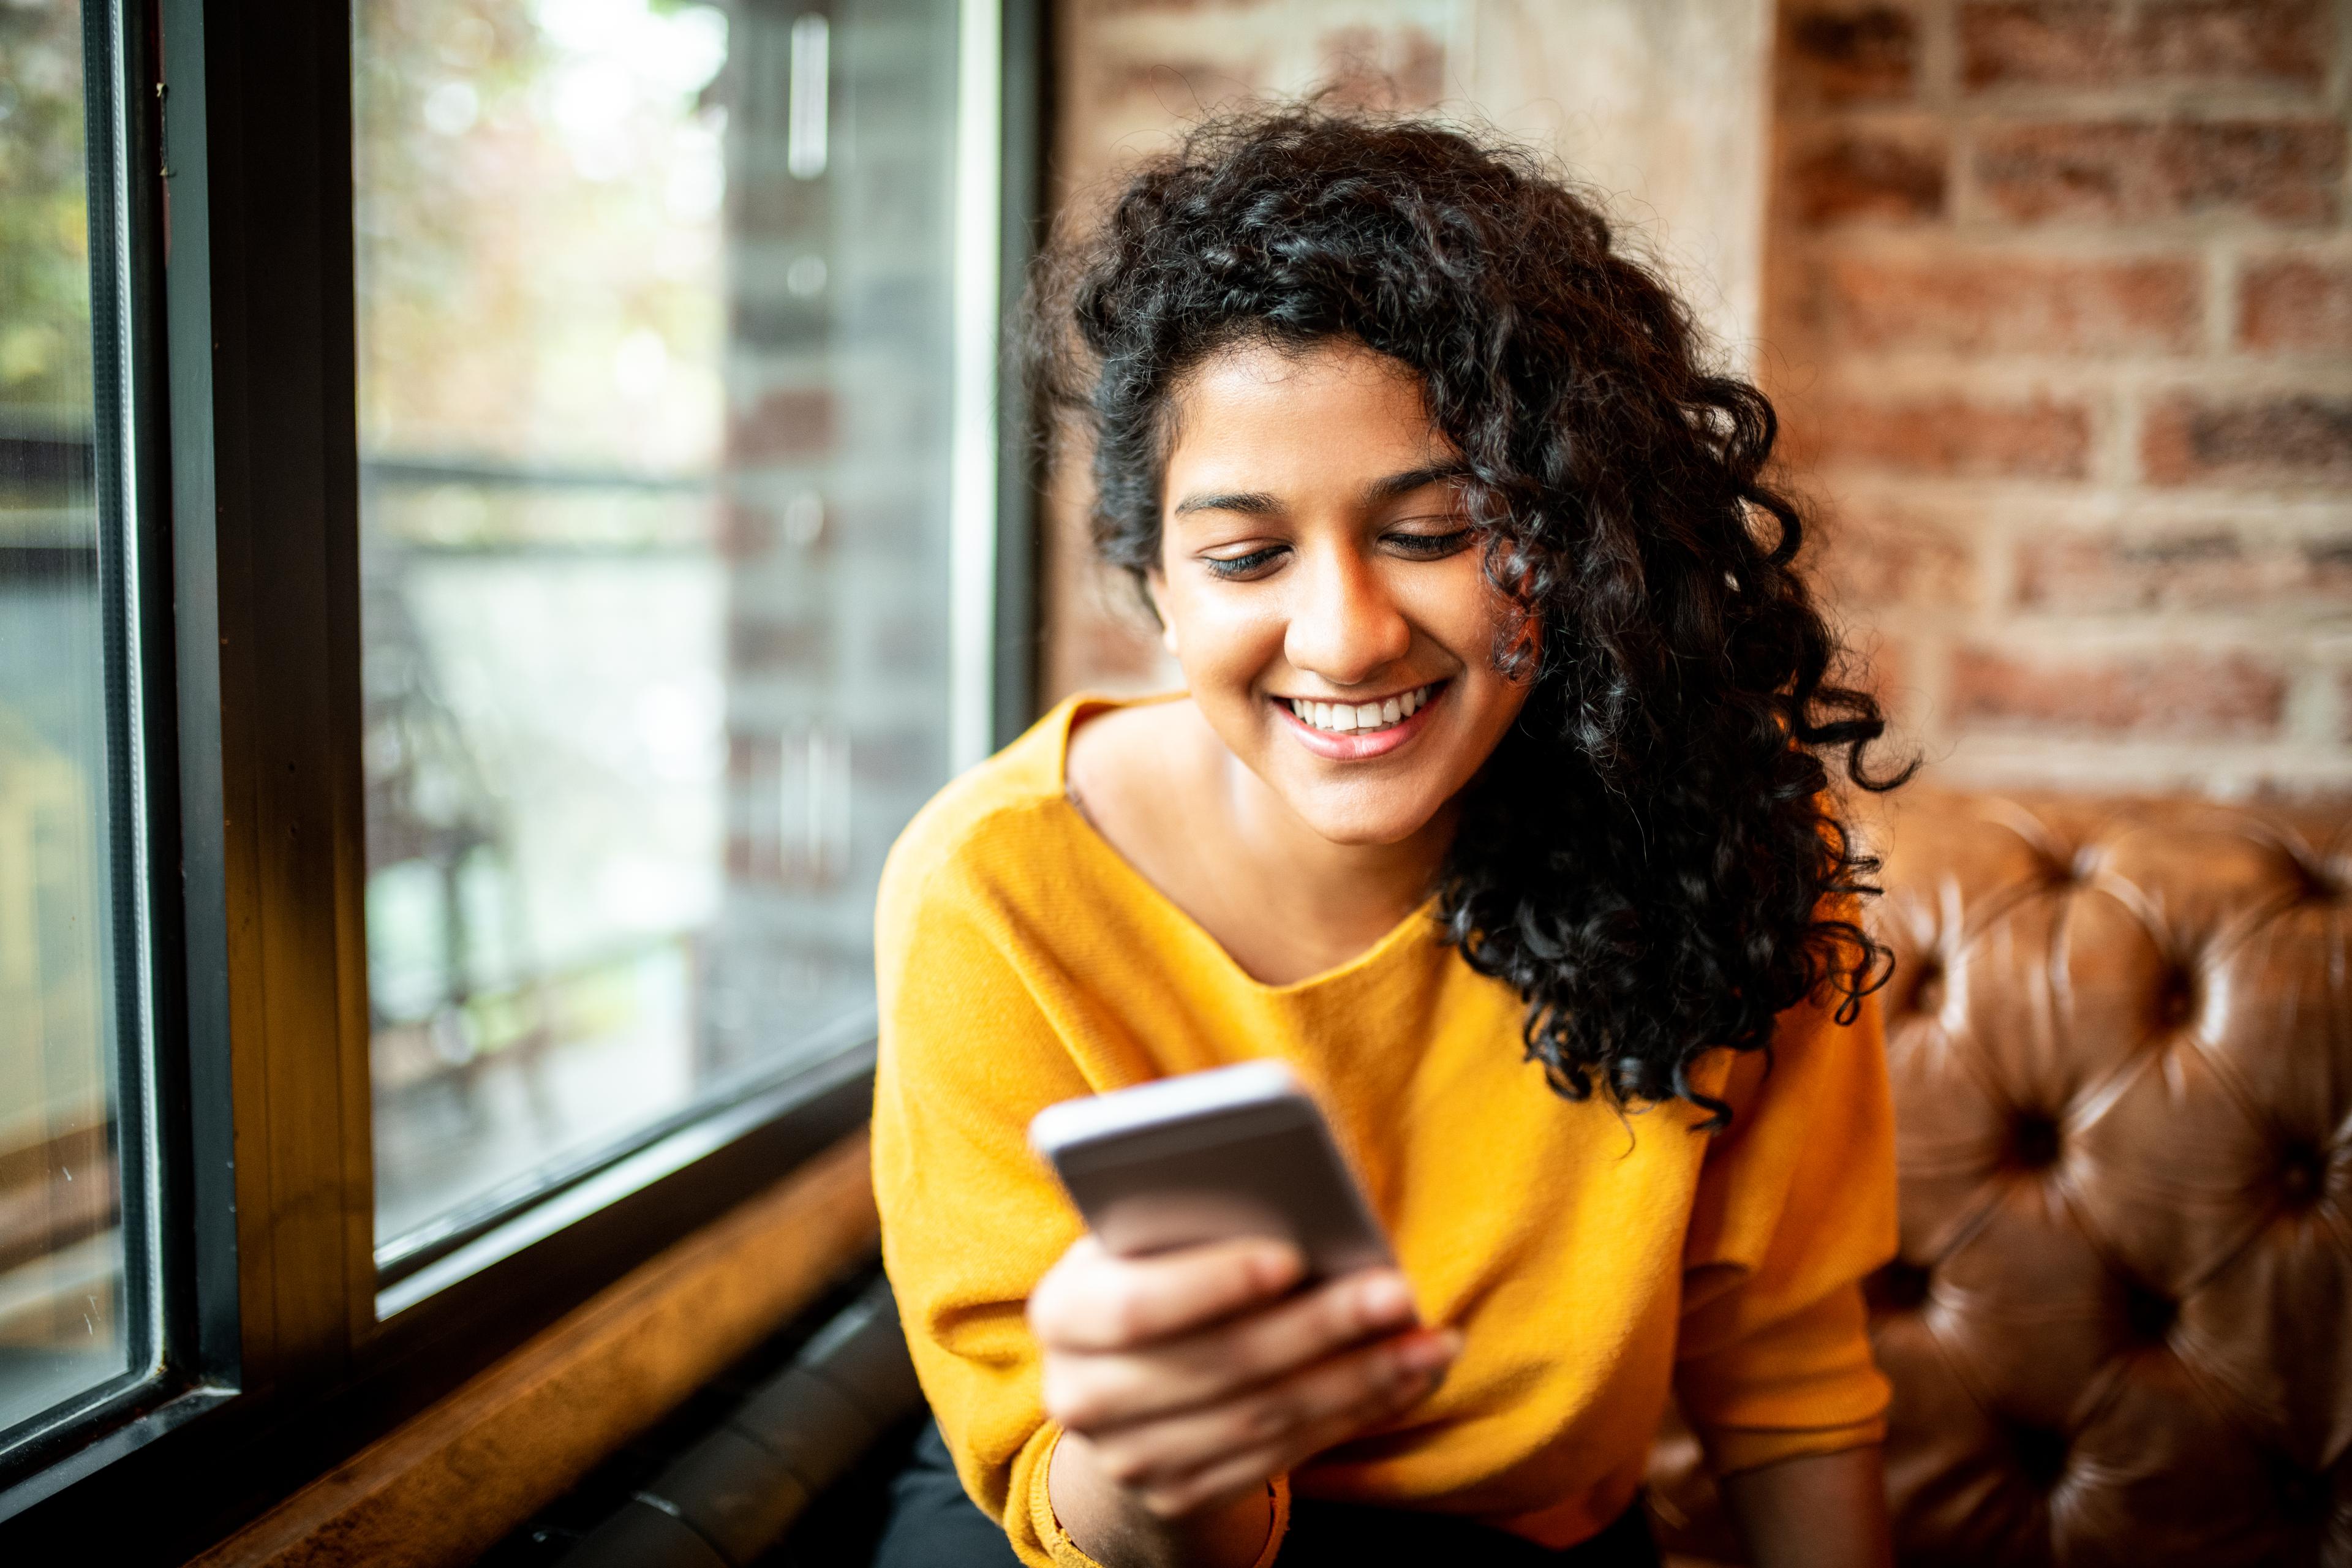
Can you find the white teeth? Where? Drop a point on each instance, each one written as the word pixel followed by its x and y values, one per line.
pixel 1350 718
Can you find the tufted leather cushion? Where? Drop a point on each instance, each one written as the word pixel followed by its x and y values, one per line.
pixel 2120 1327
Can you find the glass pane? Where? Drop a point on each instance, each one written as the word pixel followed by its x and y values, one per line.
pixel 654 306
pixel 64 1324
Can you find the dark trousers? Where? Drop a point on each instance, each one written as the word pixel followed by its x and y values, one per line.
pixel 934 1525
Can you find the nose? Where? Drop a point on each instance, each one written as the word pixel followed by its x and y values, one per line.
pixel 1344 626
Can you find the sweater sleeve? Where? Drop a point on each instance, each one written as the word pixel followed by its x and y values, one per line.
pixel 971 1218
pixel 1795 1206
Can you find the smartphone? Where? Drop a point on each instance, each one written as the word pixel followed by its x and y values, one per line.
pixel 1212 1156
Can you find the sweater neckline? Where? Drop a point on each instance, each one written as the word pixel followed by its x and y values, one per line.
pixel 1168 911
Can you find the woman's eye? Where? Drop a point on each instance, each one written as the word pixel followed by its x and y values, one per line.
pixel 1430 546
pixel 1239 566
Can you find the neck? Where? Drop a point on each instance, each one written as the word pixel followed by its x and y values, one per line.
pixel 1363 886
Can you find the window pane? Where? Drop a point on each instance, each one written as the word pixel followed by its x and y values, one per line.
pixel 64 1324
pixel 654 306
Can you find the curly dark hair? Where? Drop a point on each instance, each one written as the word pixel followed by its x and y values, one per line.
pixel 1652 858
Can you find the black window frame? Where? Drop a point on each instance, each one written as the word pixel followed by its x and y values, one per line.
pixel 238 392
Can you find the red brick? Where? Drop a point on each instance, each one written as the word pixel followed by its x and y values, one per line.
pixel 2299 439
pixel 1178 87
pixel 1869 561
pixel 2233 41
pixel 2296 306
pixel 745 531
pixel 2039 43
pixel 2012 304
pixel 2207 568
pixel 1372 69
pixel 2287 171
pixel 788 423
pixel 1857 175
pixel 1847 54
pixel 1951 437
pixel 2073 44
pixel 764 643
pixel 2182 694
pixel 1876 665
pixel 751 755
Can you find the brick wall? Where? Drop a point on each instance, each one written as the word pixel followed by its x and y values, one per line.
pixel 836 489
pixel 2059 307
pixel 2056 298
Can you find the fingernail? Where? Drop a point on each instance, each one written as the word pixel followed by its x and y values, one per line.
pixel 1431 1351
pixel 1384 1298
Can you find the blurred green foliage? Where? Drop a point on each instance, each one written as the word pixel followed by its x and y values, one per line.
pixel 539 249
pixel 44 212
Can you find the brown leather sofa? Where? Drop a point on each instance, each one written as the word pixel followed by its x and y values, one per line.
pixel 2120 1327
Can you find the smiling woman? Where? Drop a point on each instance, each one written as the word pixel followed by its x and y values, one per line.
pixel 1495 807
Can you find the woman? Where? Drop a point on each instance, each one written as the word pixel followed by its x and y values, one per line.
pixel 1495 805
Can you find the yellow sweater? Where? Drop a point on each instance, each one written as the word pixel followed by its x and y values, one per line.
pixel 1590 1261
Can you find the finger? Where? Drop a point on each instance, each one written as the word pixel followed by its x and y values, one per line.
pixel 1233 1476
pixel 1093 1392
pixel 1092 1300
pixel 1338 1395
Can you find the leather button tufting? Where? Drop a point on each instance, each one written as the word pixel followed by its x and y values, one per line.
pixel 2033 1140
pixel 1900 1287
pixel 1927 987
pixel 2150 1314
pixel 2177 1001
pixel 2303 1497
pixel 2123 1342
pixel 2301 1174
pixel 2041 1454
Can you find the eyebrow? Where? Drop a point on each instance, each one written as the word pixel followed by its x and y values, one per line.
pixel 1257 503
pixel 1404 484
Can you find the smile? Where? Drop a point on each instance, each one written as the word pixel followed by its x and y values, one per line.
pixel 1358 718
pixel 1360 732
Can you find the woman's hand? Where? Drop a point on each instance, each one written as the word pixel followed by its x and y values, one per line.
pixel 1185 1381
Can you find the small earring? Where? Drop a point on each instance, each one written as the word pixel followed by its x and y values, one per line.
pixel 1168 640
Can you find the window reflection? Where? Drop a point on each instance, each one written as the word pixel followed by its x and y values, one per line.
pixel 654 377
pixel 64 1326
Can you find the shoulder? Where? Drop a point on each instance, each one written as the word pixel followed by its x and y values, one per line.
pixel 1118 744
pixel 983 826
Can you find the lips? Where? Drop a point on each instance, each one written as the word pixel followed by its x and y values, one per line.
pixel 1360 740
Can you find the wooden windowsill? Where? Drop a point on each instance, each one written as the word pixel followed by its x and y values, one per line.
pixel 445 1486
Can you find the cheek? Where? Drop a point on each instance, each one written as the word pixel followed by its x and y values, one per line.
pixel 1454 605
pixel 1224 640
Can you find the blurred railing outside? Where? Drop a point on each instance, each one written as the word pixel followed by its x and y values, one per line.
pixel 654 306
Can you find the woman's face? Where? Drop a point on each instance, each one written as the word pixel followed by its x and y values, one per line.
pixel 1323 591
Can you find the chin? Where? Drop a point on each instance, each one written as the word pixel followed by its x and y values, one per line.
pixel 1365 823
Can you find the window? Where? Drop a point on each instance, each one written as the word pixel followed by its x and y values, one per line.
pixel 656 401
pixel 75 1321
pixel 503 517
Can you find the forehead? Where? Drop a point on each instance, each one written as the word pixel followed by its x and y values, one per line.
pixel 1266 418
